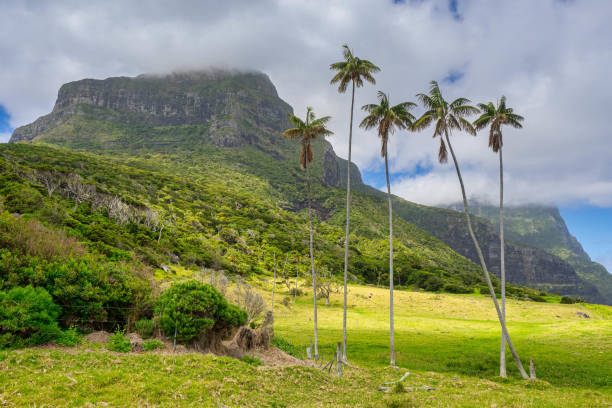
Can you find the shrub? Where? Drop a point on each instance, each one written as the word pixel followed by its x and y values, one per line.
pixel 285 346
pixel 566 300
pixel 28 317
pixel 154 344
pixel 453 287
pixel 537 298
pixel 118 342
pixel 193 307
pixel 20 198
pixel 432 284
pixel 69 337
pixel 251 360
pixel 295 292
pixel 144 327
pixel 250 301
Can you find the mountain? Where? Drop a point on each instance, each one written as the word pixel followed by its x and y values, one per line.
pixel 221 131
pixel 543 227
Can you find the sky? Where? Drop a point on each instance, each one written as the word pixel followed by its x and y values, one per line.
pixel 550 58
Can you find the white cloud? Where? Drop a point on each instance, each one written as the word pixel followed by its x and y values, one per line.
pixel 550 58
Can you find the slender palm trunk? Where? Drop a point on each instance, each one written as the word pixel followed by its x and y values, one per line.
pixel 502 353
pixel 274 284
pixel 391 332
pixel 483 265
pixel 348 223
pixel 297 274
pixel 314 276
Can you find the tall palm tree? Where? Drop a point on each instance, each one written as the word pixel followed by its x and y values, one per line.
pixel 387 119
pixel 494 118
pixel 352 71
pixel 306 131
pixel 447 117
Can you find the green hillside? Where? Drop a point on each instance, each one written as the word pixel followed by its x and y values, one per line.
pixel 222 219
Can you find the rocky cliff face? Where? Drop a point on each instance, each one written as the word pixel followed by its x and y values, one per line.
pixel 543 228
pixel 230 103
pixel 527 265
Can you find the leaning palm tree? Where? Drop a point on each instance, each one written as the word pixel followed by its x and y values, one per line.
pixel 306 131
pixel 352 71
pixel 387 119
pixel 447 117
pixel 495 118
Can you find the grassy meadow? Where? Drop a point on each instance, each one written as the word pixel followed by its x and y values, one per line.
pixel 448 342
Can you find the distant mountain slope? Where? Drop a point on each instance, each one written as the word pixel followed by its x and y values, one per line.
pixel 225 127
pixel 543 227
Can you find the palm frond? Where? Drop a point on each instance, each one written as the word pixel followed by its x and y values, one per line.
pixel 423 122
pixel 425 100
pixel 464 110
pixel 459 102
pixel 442 152
pixel 466 126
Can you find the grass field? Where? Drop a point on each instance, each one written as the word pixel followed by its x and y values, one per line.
pixel 448 342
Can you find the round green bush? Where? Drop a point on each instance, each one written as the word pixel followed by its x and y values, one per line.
pixel 191 308
pixel 28 316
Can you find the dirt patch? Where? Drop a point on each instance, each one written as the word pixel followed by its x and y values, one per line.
pixel 98 337
pixel 277 358
pixel 136 341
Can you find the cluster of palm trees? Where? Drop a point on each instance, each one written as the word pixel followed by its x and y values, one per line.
pixel 386 118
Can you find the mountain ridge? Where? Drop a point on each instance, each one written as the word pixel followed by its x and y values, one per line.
pixel 191 115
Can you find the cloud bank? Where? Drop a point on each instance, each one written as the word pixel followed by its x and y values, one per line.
pixel 550 58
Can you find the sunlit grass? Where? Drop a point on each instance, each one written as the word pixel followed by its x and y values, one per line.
pixel 448 342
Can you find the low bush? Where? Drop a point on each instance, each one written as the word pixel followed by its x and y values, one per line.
pixel 118 342
pixel 69 337
pixel 537 298
pixel 153 344
pixel 144 327
pixel 285 346
pixel 453 287
pixel 295 292
pixel 191 308
pixel 28 316
pixel 566 300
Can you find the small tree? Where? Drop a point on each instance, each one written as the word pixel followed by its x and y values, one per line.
pixel 192 308
pixel 327 285
pixel 252 302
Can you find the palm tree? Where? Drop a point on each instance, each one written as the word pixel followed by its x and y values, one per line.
pixel 352 71
pixel 449 117
pixel 495 118
pixel 306 131
pixel 387 119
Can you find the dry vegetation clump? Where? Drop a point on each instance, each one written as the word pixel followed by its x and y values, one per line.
pixel 37 240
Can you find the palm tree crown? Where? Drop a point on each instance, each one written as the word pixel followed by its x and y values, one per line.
pixel 307 130
pixel 448 116
pixel 496 118
pixel 352 69
pixel 387 118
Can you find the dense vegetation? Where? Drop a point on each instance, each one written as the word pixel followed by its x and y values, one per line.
pixel 93 230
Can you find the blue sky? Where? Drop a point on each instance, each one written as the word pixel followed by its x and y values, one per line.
pixel 593 228
pixel 545 56
pixel 5 126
